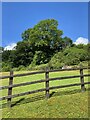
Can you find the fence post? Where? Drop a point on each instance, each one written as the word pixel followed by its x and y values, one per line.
pixel 82 79
pixel 10 89
pixel 47 82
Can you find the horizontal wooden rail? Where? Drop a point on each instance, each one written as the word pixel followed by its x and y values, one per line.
pixel 68 77
pixel 40 90
pixel 4 77
pixel 22 84
pixel 39 72
pixel 40 81
pixel 24 74
pixel 63 86
pixel 22 94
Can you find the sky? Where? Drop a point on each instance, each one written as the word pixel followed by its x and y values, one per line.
pixel 45 0
pixel 17 17
pixel 0 24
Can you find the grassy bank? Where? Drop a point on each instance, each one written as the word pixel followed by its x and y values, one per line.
pixel 63 103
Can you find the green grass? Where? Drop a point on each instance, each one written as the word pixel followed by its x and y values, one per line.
pixel 64 103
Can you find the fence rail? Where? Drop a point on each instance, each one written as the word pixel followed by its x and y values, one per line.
pixel 46 81
pixel 39 72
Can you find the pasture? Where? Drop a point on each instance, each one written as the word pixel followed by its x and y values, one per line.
pixel 63 103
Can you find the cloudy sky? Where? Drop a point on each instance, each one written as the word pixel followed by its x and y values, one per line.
pixel 72 18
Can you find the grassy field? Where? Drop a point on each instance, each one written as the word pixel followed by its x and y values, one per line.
pixel 63 103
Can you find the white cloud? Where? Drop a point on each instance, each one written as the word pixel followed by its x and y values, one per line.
pixel 81 40
pixel 10 47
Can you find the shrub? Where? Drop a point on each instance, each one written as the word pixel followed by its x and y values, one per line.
pixel 15 69
pixel 37 67
pixel 70 56
pixel 39 58
pixel 84 63
pixel 6 67
pixel 41 67
pixel 56 61
pixel 20 68
pixel 56 65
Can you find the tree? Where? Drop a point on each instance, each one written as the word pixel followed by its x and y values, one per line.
pixel 39 58
pixel 23 54
pixel 66 42
pixel 5 55
pixel 25 34
pixel 38 45
pixel 1 51
pixel 45 37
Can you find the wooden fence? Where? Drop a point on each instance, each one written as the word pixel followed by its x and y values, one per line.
pixel 46 80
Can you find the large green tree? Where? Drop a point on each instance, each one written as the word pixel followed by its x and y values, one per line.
pixel 38 44
pixel 45 35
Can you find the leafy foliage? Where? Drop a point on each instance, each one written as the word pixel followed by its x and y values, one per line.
pixel 70 56
pixel 44 44
pixel 22 55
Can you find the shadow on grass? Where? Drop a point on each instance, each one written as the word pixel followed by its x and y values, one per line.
pixel 42 97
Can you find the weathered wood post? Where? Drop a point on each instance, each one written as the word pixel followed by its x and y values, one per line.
pixel 10 88
pixel 47 82
pixel 82 79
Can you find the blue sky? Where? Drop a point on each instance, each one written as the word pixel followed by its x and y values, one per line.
pixel 19 16
pixel 0 24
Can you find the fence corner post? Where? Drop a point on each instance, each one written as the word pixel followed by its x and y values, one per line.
pixel 10 88
pixel 82 79
pixel 47 82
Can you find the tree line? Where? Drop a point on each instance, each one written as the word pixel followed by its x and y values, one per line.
pixel 44 45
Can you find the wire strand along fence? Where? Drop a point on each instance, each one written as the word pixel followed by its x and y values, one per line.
pixel 46 81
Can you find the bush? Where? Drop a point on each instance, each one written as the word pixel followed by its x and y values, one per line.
pixel 75 55
pixel 41 67
pixel 21 68
pixel 71 61
pixel 30 67
pixel 15 69
pixel 6 67
pixel 70 56
pixel 56 65
pixel 56 61
pixel 37 67
pixel 84 63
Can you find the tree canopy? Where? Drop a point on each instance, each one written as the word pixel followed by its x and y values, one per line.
pixel 39 45
pixel 44 35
